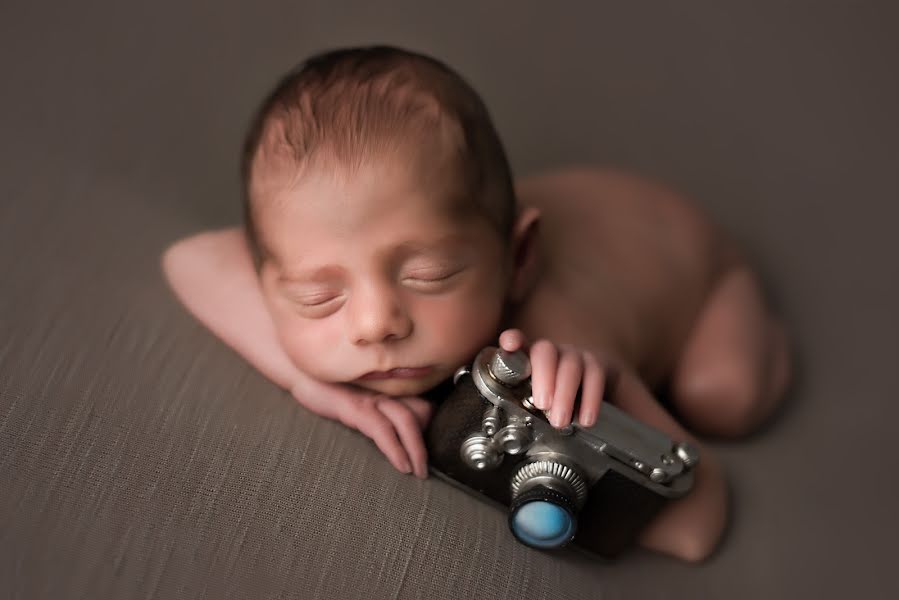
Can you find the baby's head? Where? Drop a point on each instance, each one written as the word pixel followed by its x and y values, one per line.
pixel 381 214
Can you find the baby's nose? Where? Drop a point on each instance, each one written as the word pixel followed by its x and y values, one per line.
pixel 379 317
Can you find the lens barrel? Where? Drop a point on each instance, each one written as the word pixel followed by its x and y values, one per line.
pixel 543 518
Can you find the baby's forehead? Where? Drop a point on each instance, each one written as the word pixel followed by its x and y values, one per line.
pixel 418 222
pixel 328 212
pixel 423 150
pixel 423 183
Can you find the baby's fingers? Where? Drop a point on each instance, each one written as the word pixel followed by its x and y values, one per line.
pixel 374 424
pixel 406 426
pixel 591 391
pixel 544 361
pixel 511 340
pixel 421 408
pixel 568 379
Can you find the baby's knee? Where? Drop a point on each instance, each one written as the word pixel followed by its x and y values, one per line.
pixel 729 399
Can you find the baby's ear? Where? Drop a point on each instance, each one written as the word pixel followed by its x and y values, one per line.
pixel 525 255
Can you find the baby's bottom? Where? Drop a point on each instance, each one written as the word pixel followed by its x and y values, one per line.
pixel 735 365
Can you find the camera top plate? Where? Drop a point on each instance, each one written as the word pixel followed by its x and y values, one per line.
pixel 629 442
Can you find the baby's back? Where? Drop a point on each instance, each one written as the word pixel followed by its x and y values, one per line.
pixel 626 266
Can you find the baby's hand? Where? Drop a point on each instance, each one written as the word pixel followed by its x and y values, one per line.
pixel 556 373
pixel 394 424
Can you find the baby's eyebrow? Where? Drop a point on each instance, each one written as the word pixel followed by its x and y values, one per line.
pixel 319 274
pixel 417 247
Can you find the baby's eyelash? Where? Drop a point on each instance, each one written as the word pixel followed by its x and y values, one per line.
pixel 313 300
pixel 431 278
pixel 319 302
pixel 441 278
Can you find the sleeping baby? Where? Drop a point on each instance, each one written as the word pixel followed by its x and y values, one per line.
pixel 385 243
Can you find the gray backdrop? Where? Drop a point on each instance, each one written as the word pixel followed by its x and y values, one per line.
pixel 141 458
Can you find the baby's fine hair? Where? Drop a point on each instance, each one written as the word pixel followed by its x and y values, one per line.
pixel 350 105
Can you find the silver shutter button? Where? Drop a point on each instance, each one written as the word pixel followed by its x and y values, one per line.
pixel 510 368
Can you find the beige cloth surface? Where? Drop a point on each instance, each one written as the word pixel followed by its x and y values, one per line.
pixel 141 458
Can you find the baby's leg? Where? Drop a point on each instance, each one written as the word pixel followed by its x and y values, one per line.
pixel 736 364
pixel 689 528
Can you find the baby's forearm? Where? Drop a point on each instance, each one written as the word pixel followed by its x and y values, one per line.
pixel 212 274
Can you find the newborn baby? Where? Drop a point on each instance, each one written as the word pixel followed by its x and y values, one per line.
pixel 385 243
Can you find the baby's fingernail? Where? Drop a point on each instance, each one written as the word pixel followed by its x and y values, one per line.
pixel 405 467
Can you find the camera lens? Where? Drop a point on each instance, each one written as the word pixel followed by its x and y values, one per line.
pixel 543 518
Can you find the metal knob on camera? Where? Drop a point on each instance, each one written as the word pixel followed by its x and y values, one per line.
pixel 688 454
pixel 510 368
pixel 481 453
pixel 514 438
pixel 485 449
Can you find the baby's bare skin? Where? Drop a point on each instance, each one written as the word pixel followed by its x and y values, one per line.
pixel 635 275
pixel 627 278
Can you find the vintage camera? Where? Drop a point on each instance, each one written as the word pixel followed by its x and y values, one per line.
pixel 598 486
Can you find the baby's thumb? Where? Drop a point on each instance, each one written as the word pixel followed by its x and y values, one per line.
pixel 511 340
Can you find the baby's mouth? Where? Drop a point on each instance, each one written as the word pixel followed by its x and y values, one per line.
pixel 398 373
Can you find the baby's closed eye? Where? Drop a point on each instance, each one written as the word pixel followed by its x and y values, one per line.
pixel 430 277
pixel 314 302
pixel 315 299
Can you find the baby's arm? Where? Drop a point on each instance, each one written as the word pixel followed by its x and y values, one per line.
pixel 212 274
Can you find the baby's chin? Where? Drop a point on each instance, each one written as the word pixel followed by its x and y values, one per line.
pixel 402 387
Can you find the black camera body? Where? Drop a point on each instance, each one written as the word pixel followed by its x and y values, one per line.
pixel 594 486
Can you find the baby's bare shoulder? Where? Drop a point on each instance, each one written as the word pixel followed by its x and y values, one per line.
pixel 599 190
pixel 613 211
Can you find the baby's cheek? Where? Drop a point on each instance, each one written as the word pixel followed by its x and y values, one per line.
pixel 466 324
pixel 309 349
